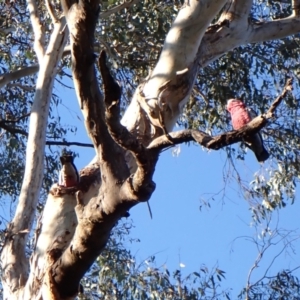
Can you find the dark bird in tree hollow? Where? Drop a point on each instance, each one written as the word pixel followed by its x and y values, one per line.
pixel 68 175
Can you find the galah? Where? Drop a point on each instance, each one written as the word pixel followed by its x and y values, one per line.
pixel 68 176
pixel 240 116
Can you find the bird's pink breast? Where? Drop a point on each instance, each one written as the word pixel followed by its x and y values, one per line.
pixel 70 181
pixel 239 116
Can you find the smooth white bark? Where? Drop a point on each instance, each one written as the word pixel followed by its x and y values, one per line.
pixel 187 47
pixel 273 30
pixel 58 225
pixel 14 261
pixel 8 77
pixel 182 42
pixel 178 53
pixel 37 26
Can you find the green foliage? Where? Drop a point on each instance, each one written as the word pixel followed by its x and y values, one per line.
pixel 283 286
pixel 133 39
pixel 117 275
pixel 255 74
pixel 16 98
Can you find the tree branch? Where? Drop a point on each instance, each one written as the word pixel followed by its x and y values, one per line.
pixel 26 71
pixel 213 46
pixel 112 96
pixel 37 26
pixel 14 260
pixel 184 37
pixel 164 93
pixel 51 11
pixel 86 85
pixel 221 140
pixel 287 88
pixel 65 143
pixel 237 11
pixel 16 120
pixel 116 9
pixel 296 8
pixel 14 130
pixel 140 185
pixel 273 30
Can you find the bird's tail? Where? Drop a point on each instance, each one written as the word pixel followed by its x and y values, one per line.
pixel 262 155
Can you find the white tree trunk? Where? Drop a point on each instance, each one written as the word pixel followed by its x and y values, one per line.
pixel 14 262
pixel 153 111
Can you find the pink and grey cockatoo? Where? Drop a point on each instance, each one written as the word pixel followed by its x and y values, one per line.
pixel 240 116
pixel 68 176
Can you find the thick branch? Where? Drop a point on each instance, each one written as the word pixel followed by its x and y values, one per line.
pixel 140 185
pixel 82 19
pixel 274 30
pixel 96 216
pixel 182 42
pixel 213 44
pixel 296 8
pixel 167 90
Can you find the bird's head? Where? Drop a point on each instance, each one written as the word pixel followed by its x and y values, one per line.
pixel 66 158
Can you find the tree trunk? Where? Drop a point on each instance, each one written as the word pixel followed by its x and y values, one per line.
pixel 77 221
pixel 14 262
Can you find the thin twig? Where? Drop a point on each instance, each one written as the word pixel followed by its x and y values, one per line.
pixel 116 9
pixel 21 86
pixel 15 120
pixel 14 131
pixel 288 87
pixel 65 143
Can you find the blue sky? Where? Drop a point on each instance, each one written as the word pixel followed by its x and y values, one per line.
pixel 182 233
pixel 216 236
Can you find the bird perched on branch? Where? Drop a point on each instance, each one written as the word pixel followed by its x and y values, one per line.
pixel 240 116
pixel 68 175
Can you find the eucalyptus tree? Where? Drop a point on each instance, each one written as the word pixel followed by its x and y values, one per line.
pixel 177 62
